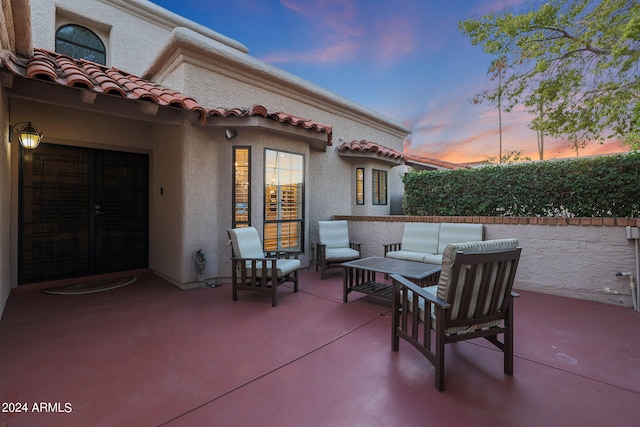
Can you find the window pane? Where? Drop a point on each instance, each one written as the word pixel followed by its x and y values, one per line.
pixel 80 43
pixel 284 200
pixel 360 186
pixel 379 184
pixel 241 187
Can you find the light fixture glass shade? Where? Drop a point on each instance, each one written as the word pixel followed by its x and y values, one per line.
pixel 29 136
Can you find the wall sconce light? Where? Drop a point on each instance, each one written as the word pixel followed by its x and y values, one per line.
pixel 230 133
pixel 28 135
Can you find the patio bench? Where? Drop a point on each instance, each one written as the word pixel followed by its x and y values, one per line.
pixel 425 241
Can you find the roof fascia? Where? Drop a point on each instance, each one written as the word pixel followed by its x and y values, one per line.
pixel 371 155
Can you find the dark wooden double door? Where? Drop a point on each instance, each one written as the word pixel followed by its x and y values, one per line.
pixel 82 212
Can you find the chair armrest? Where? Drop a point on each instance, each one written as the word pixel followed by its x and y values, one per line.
pixel 355 246
pixel 254 259
pixel 392 247
pixel 417 290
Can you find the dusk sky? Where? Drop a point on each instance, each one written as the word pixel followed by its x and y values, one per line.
pixel 403 58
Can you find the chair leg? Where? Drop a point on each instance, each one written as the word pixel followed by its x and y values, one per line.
pixel 274 291
pixel 234 290
pixel 438 361
pixel 508 343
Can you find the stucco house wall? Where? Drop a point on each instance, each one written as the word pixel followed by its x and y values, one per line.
pixel 190 176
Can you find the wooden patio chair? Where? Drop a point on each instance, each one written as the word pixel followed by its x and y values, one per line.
pixel 334 246
pixel 253 269
pixel 473 299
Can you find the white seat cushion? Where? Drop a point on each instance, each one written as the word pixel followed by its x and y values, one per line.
pixel 406 255
pixel 283 267
pixel 341 254
pixel 433 259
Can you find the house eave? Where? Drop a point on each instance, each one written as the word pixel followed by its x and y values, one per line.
pixel 316 140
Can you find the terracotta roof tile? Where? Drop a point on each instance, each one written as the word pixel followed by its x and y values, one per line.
pixel 286 118
pixel 379 149
pixel 67 71
pixel 371 147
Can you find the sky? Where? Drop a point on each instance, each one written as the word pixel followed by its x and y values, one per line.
pixel 405 59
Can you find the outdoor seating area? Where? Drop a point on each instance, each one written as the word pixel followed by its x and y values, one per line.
pixel 148 354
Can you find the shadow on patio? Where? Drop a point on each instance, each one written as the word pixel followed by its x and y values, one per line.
pixel 149 354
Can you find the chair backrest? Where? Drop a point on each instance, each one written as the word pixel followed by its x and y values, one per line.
pixel 421 237
pixel 245 243
pixel 477 277
pixel 458 233
pixel 334 234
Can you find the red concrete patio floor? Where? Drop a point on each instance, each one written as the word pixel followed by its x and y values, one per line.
pixel 151 355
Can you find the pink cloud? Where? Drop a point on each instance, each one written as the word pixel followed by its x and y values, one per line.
pixel 339 28
pixel 330 54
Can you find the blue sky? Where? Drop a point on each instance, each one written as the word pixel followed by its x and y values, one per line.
pixel 403 58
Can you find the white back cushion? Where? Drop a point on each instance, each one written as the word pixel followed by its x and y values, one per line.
pixel 458 233
pixel 334 234
pixel 246 242
pixel 421 237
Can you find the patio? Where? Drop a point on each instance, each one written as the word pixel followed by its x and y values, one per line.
pixel 149 354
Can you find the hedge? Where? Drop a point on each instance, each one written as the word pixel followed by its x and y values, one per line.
pixel 607 186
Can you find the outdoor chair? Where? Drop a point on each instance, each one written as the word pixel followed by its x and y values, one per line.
pixel 256 270
pixel 334 246
pixel 473 299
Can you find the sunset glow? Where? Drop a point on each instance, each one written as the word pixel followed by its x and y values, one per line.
pixel 405 59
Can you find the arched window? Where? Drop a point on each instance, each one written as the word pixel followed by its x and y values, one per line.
pixel 80 43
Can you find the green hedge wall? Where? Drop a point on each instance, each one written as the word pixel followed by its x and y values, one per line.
pixel 607 186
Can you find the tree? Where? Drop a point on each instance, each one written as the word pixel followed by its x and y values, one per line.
pixel 575 63
pixel 498 70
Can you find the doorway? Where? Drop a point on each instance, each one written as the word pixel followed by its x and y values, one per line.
pixel 82 212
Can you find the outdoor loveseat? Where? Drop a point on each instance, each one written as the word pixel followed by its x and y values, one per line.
pixel 426 241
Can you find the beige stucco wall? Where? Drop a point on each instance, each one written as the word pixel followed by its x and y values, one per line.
pixel 576 261
pixel 119 24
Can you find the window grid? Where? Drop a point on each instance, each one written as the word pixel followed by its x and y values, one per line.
pixel 379 184
pixel 241 187
pixel 360 186
pixel 80 43
pixel 284 201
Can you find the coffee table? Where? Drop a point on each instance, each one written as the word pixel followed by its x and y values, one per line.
pixel 360 275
